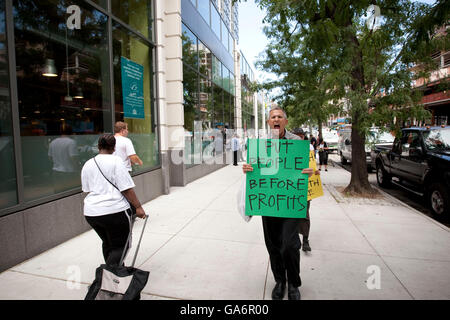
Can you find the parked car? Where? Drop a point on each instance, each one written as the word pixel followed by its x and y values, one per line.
pixel 331 138
pixel 375 141
pixel 345 148
pixel 420 162
pixel 379 141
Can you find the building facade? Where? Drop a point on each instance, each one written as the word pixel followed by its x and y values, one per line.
pixel 171 69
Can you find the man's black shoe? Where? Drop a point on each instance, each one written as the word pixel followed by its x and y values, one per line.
pixel 306 246
pixel 278 291
pixel 293 293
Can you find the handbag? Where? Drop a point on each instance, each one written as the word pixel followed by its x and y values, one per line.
pixel 132 208
pixel 241 200
pixel 119 282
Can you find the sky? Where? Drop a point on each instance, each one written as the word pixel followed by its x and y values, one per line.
pixel 252 40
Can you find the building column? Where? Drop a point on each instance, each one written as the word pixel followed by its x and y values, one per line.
pixel 170 82
pixel 237 81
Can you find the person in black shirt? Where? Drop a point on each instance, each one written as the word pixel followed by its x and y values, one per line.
pixel 323 154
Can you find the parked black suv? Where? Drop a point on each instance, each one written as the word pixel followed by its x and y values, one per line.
pixel 420 160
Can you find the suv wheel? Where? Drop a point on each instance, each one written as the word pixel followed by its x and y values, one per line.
pixel 343 160
pixel 438 199
pixel 383 178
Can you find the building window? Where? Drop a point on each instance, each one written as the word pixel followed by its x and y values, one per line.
pixel 215 21
pixel 203 8
pixel 102 3
pixel 216 71
pixel 190 56
pixel 224 35
pixel 205 58
pixel 8 182
pixel 63 93
pixel 132 59
pixel 135 13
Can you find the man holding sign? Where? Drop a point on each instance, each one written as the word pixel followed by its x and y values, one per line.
pixel 280 230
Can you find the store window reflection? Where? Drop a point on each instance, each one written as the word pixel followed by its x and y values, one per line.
pixel 8 186
pixel 63 92
pixel 135 13
pixel 132 61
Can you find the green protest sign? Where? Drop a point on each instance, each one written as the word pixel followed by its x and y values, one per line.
pixel 276 187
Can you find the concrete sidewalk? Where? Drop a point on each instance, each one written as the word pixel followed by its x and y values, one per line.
pixel 196 246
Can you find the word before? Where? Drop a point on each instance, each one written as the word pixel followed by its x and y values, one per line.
pixel 276 183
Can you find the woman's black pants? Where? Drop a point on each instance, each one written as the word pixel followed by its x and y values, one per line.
pixel 114 230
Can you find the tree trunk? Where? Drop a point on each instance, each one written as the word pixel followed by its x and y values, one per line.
pixel 320 128
pixel 359 182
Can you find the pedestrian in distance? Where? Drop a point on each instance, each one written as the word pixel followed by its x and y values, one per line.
pixel 124 146
pixel 235 146
pixel 323 154
pixel 281 234
pixel 313 141
pixel 106 209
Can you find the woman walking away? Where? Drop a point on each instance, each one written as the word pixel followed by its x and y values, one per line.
pixel 323 153
pixel 106 209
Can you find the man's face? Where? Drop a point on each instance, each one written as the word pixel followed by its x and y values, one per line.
pixel 124 132
pixel 277 122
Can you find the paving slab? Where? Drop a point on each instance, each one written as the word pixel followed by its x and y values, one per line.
pixel 328 275
pixel 197 268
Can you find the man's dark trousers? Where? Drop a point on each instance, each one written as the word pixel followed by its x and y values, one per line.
pixel 283 244
pixel 305 224
pixel 235 155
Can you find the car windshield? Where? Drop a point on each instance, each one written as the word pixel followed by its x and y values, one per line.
pixel 437 140
pixel 330 136
pixel 385 137
pixel 380 137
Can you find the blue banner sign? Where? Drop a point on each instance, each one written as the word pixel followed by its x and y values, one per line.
pixel 132 89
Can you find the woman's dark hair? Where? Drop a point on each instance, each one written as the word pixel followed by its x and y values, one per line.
pixel 107 142
pixel 320 140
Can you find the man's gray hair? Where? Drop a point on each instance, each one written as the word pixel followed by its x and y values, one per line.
pixel 278 108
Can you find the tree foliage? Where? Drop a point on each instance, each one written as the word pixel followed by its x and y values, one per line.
pixel 328 60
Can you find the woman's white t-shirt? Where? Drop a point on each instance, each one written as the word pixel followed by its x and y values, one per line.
pixel 104 198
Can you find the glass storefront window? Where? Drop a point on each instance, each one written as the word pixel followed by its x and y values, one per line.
pixel 216 71
pixel 132 62
pixel 101 3
pixel 215 21
pixel 136 13
pixel 205 59
pixel 190 56
pixel 226 78
pixel 219 124
pixel 203 8
pixel 206 115
pixel 190 104
pixel 63 92
pixel 8 182
pixel 227 110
